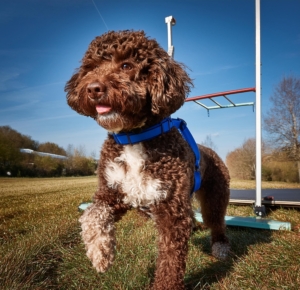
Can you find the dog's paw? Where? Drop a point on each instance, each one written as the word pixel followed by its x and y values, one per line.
pixel 98 234
pixel 220 250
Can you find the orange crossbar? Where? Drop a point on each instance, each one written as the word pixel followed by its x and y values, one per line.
pixel 221 94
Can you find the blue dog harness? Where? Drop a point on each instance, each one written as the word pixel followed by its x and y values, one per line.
pixel 163 127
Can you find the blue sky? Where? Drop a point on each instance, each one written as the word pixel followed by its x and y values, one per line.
pixel 42 43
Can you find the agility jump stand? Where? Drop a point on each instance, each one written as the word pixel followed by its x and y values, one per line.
pixel 259 209
pixel 251 222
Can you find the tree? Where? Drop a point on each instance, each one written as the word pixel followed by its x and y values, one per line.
pixel 77 162
pixel 19 140
pixel 241 161
pixel 48 166
pixel 10 155
pixel 282 121
pixel 53 148
pixel 208 142
pixel 11 159
pixel 21 164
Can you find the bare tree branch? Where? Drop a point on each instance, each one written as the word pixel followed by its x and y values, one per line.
pixel 282 121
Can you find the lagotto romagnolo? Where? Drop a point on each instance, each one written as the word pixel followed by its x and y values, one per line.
pixel 128 84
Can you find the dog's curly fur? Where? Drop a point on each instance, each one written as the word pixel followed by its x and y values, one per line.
pixel 127 83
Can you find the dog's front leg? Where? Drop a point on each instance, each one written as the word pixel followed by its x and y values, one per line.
pixel 174 224
pixel 98 234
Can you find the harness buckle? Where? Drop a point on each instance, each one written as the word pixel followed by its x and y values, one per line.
pixel 182 124
pixel 162 125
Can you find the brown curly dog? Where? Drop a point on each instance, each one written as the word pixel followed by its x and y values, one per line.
pixel 128 83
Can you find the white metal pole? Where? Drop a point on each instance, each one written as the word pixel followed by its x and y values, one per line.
pixel 170 20
pixel 169 34
pixel 258 102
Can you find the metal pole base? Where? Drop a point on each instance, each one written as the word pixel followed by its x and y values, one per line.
pixel 260 210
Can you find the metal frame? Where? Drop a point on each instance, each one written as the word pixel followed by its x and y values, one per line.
pixel 224 95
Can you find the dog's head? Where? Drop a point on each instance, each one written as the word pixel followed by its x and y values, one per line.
pixel 127 81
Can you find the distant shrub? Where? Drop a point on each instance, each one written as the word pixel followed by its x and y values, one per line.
pixel 280 171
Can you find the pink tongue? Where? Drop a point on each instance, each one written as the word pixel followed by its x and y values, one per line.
pixel 102 109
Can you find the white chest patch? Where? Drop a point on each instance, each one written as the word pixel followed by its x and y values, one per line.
pixel 127 173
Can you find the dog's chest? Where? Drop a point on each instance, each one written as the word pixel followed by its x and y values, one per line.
pixel 127 173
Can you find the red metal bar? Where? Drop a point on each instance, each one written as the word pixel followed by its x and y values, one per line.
pixel 220 94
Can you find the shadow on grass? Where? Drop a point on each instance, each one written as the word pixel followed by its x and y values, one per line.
pixel 240 241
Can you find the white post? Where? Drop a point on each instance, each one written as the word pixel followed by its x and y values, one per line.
pixel 258 103
pixel 170 20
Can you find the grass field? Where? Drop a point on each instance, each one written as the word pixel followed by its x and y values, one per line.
pixel 40 245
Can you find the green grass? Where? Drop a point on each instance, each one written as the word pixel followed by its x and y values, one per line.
pixel 40 245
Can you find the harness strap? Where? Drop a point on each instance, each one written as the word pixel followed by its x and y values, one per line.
pixel 163 127
pixel 185 132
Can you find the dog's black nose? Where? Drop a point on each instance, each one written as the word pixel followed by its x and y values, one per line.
pixel 95 90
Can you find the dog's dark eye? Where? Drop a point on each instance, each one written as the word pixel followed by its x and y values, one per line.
pixel 126 66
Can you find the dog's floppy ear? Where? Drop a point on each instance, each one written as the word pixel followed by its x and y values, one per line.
pixel 168 85
pixel 72 95
pixel 74 100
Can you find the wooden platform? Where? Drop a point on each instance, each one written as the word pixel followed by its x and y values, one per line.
pixel 281 197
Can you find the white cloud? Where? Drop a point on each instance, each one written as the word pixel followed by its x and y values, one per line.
pixel 9 79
